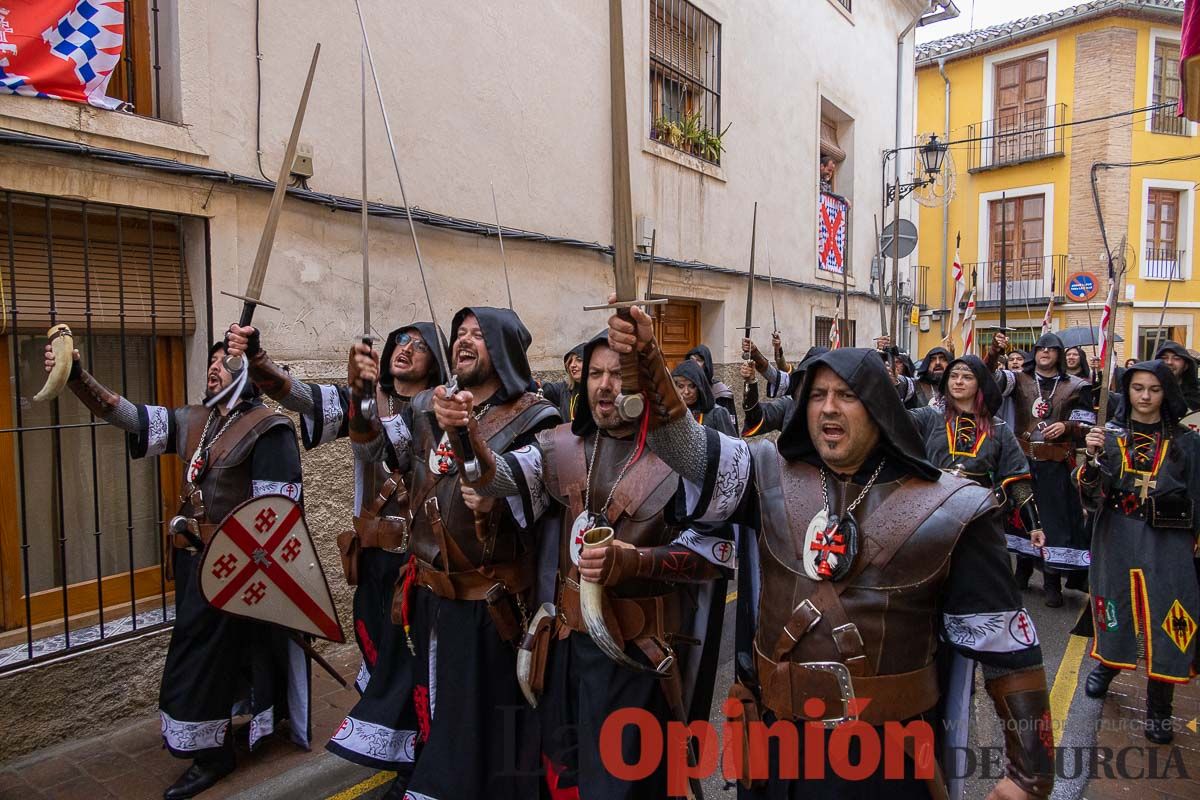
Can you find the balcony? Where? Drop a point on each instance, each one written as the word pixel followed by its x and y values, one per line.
pixel 1164 265
pixel 1016 138
pixel 1164 120
pixel 1029 281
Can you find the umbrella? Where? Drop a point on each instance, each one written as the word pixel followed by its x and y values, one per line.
pixel 1081 336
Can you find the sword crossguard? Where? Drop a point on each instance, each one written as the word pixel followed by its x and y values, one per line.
pixel 623 304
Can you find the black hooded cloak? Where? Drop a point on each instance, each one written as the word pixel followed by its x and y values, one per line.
pixel 721 392
pixel 1189 382
pixel 507 341
pixel 705 409
pixel 561 393
pixel 430 335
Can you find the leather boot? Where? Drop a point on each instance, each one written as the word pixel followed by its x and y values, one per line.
pixel 1099 680
pixel 201 775
pixel 1052 586
pixel 1159 695
pixel 1023 572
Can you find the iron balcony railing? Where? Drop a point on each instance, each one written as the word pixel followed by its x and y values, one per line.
pixel 1165 265
pixel 845 4
pixel 1017 138
pixel 1165 120
pixel 1029 281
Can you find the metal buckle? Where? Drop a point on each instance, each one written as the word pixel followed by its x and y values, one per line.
pixel 845 685
pixel 402 548
pixel 816 612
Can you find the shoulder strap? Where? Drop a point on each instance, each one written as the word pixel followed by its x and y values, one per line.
pixel 642 480
pixel 241 427
pixel 567 475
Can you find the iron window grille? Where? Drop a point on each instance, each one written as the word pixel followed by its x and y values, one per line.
pixel 685 79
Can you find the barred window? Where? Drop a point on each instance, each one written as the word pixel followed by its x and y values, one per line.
pixel 685 79
pixel 822 326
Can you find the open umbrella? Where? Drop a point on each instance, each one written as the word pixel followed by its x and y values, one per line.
pixel 1082 336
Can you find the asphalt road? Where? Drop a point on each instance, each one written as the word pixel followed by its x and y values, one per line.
pixel 333 778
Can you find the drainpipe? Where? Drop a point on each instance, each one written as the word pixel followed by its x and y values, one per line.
pixel 946 207
pixel 896 179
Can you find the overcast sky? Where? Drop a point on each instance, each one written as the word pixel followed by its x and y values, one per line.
pixel 983 13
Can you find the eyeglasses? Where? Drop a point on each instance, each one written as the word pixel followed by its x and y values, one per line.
pixel 404 339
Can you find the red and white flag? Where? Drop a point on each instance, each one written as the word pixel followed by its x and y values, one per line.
pixel 61 49
pixel 968 325
pixel 1105 355
pixel 1048 319
pixel 960 288
pixel 1189 62
pixel 835 330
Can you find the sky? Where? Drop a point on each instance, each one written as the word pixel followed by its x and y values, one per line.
pixel 983 13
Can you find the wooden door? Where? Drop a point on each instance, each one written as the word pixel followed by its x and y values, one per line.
pixel 677 328
pixel 1020 87
pixel 1020 225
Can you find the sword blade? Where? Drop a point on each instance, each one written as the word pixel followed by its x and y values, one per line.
pixel 771 283
pixel 500 236
pixel 750 275
pixel 623 271
pixel 650 270
pixel 366 259
pixel 259 272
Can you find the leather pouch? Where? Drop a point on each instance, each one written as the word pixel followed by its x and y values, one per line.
pixel 505 616
pixel 1171 511
pixel 538 645
pixel 348 549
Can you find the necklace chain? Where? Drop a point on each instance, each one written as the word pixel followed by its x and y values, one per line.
pixel 204 445
pixel 587 491
pixel 861 495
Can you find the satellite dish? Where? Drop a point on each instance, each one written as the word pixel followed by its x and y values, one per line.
pixel 908 239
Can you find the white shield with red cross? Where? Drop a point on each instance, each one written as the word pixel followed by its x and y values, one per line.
pixel 261 564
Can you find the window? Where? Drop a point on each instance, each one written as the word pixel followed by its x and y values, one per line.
pixel 135 80
pixel 1148 337
pixel 1017 236
pixel 822 326
pixel 1162 233
pixel 1020 90
pixel 685 79
pixel 1165 85
pixel 845 4
pixel 81 523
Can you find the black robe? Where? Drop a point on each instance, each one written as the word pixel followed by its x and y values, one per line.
pixel 721 392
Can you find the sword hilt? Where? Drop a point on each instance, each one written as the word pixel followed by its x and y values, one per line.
pixel 367 404
pixel 466 451
pixel 629 403
pixel 235 364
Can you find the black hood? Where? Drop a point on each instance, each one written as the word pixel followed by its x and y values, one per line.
pixel 695 373
pixel 1174 407
pixel 387 381
pixel 577 350
pixel 703 351
pixel 507 339
pixel 1046 340
pixel 814 352
pixel 865 373
pixel 992 399
pixel 923 370
pixel 1189 382
pixel 1085 369
pixel 583 424
pixel 249 392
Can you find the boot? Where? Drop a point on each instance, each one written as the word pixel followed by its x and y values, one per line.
pixel 1159 695
pixel 202 774
pixel 1023 572
pixel 1099 680
pixel 1052 586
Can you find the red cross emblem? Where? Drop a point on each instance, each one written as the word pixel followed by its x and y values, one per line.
pixel 261 559
pixel 290 550
pixel 830 542
pixel 225 566
pixel 255 593
pixel 1129 503
pixel 1021 628
pixel 265 520
pixel 722 551
pixel 832 226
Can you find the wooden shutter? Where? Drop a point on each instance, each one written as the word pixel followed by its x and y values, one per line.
pixel 671 40
pixel 1166 72
pixel 132 272
pixel 1162 220
pixel 1020 105
pixel 1023 237
pixel 829 139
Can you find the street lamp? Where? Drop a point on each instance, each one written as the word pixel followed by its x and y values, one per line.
pixel 933 155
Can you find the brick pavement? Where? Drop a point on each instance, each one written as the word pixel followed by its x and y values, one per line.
pixel 130 763
pixel 1120 727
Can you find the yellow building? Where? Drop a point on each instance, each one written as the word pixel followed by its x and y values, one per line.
pixel 1015 98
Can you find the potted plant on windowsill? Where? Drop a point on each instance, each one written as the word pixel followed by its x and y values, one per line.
pixel 667 131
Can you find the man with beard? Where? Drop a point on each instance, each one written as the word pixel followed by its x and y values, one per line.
pixel 898 560
pixel 376 549
pixel 465 589
pixel 1053 411
pixel 216 662
pixel 562 393
pixel 1142 485
pixel 929 374
pixel 657 578
pixel 1181 363
pixel 721 391
pixel 769 415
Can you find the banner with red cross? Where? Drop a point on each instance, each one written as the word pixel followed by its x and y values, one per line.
pixel 831 233
pixel 261 564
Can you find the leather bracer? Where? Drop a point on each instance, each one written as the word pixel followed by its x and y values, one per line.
pixel 275 381
pixel 97 397
pixel 1023 705
pixel 483 454
pixel 362 429
pixel 670 563
pixel 665 403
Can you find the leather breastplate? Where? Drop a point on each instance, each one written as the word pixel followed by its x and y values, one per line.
pixel 226 483
pixel 893 604
pixel 1026 392
pixel 440 496
pixel 638 503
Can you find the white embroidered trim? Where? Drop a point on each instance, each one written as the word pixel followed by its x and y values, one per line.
pixel 418 796
pixel 991 632
pixel 1068 556
pixel 190 736
pixel 364 675
pixel 330 412
pixel 262 724
pixel 1019 544
pixel 714 549
pixel 259 488
pixel 158 430
pixel 1083 415
pixel 732 476
pixel 529 459
pixel 397 432
pixel 376 741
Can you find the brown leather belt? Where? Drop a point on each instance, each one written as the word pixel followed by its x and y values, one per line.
pixel 515 576
pixel 204 530
pixel 385 533
pixel 1045 451
pixel 893 698
pixel 637 617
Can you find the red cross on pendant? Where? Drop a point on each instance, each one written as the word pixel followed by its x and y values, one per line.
pixel 830 542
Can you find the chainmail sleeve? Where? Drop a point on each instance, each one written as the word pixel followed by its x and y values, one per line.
pixel 682 445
